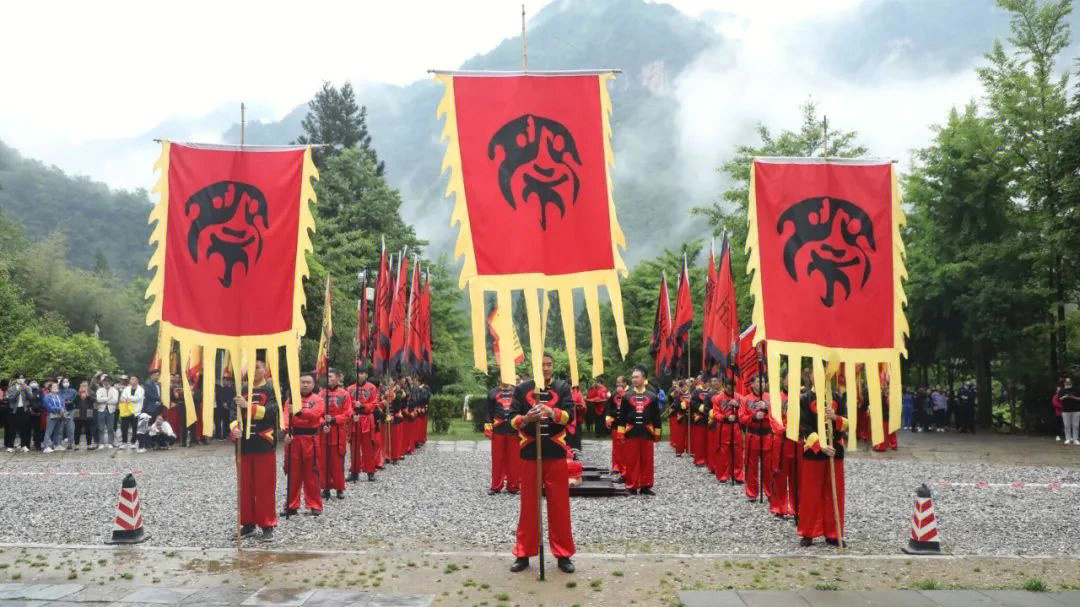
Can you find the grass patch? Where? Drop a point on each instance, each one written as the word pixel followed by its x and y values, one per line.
pixel 502 596
pixel 460 430
pixel 826 586
pixel 928 585
pixel 451 567
pixel 571 584
pixel 1034 585
pixel 617 573
pixel 595 583
pixel 127 575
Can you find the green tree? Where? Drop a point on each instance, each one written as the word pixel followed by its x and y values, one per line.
pixel 970 249
pixel 1027 94
pixel 40 355
pixel 335 119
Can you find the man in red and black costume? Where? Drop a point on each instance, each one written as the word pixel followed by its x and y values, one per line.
pixel 611 416
pixel 782 463
pixel 729 453
pixel 677 410
pixel 890 437
pixel 596 400
pixel 816 516
pixel 713 388
pixel 335 439
pixel 754 417
pixel 639 417
pixel 365 400
pixel 577 424
pixel 257 452
pixel 700 408
pixel 396 401
pixel 551 408
pixel 505 461
pixel 301 445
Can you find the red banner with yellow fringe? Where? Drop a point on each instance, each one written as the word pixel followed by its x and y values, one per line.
pixel 529 159
pixel 827 265
pixel 232 228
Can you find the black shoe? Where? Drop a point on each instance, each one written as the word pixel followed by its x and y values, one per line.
pixel 371 477
pixel 354 477
pixel 632 491
pixel 835 543
pixel 647 491
pixel 806 542
pixel 566 565
pixel 289 512
pixel 267 534
pixel 494 491
pixel 678 455
pixel 394 462
pixel 520 564
pixel 512 491
pixel 315 512
pixel 247 531
pixel 340 494
pixel 326 493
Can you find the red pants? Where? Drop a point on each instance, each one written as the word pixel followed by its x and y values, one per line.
pixel 363 456
pixel 890 439
pixel 862 430
pixel 712 449
pixel 730 455
pixel 258 489
pixel 757 456
pixel 409 435
pixel 397 435
pixel 677 436
pixel 698 442
pixel 505 461
pixel 303 473
pixel 557 489
pixel 380 448
pixel 331 465
pixel 782 498
pixel 816 517
pixel 638 458
pixel 617 462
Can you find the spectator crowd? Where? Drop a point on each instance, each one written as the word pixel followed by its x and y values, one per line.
pixel 105 413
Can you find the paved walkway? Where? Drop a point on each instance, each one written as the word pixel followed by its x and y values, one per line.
pixel 879 598
pixel 68 595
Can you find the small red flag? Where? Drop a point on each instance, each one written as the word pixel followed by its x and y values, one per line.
pixel 399 321
pixel 660 345
pixel 381 330
pixel 684 319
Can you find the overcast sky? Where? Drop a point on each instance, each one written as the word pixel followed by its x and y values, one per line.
pixel 73 71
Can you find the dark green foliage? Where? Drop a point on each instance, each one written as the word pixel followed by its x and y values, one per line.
pixel 96 224
pixel 444 407
pixel 39 354
pixel 334 119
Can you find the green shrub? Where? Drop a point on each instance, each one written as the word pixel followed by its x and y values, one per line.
pixel 1034 585
pixel 444 407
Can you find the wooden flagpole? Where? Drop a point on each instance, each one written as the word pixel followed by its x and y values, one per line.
pixel 238 387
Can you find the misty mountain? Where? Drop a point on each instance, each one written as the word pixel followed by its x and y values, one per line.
pixel 102 228
pixel 657 177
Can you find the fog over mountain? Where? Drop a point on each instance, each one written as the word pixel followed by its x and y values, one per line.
pixel 691 88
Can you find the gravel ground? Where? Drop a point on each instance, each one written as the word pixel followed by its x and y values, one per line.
pixel 437 499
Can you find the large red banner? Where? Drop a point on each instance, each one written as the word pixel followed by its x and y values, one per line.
pixel 825 240
pixel 528 160
pixel 532 159
pixel 230 247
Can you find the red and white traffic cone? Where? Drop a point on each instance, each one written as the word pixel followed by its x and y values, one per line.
pixel 924 532
pixel 128 528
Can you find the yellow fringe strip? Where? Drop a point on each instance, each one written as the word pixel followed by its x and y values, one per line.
pixel 239 347
pixel 536 342
pixel 563 284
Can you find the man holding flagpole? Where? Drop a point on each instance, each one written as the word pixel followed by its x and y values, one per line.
pixel 544 413
pixel 258 477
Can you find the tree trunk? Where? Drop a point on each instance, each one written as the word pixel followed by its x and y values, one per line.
pixel 1055 287
pixel 984 391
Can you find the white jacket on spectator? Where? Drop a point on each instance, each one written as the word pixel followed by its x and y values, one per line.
pixel 107 399
pixel 131 401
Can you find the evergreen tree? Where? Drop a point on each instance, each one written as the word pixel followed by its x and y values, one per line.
pixel 335 119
